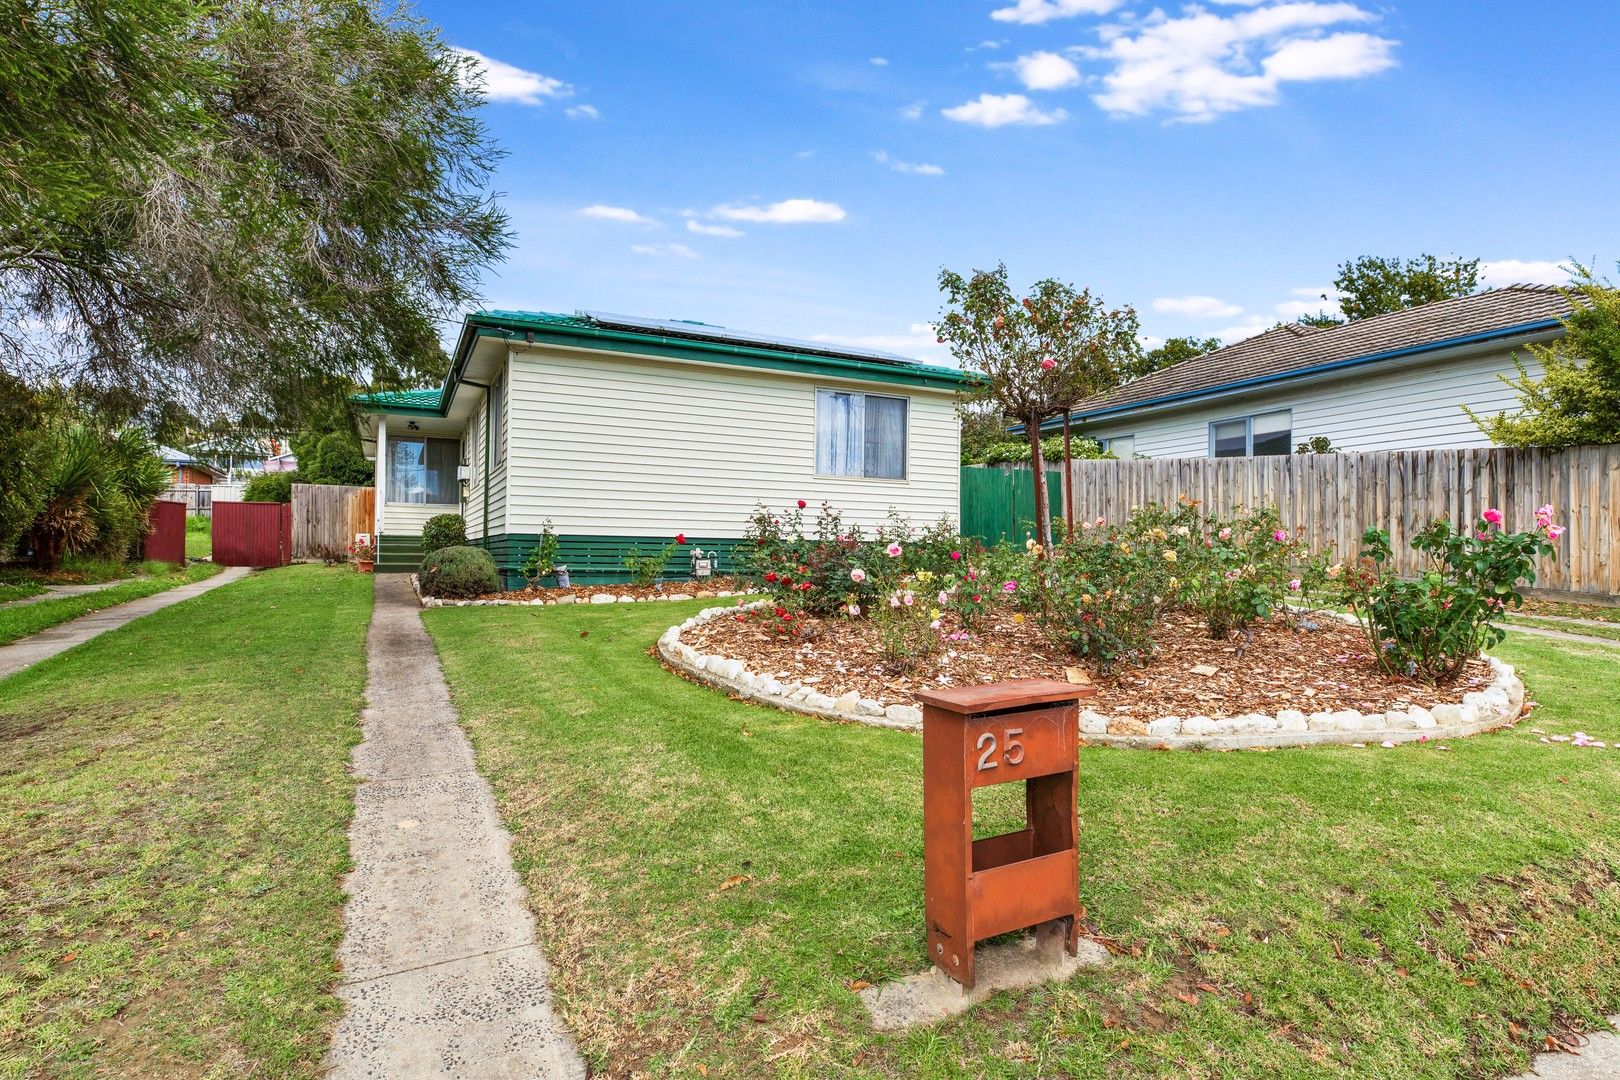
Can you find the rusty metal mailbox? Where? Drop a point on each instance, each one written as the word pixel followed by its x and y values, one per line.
pixel 1026 729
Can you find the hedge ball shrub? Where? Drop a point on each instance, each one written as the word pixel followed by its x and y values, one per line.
pixel 442 531
pixel 460 573
pixel 275 487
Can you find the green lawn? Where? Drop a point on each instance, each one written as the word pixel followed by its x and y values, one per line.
pixel 173 804
pixel 1416 912
pixel 199 537
pixel 20 622
pixel 17 583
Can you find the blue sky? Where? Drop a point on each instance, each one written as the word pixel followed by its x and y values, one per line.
pixel 807 168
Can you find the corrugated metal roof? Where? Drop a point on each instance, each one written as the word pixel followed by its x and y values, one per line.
pixel 1294 349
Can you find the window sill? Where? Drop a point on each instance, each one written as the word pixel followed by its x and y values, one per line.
pixel 863 479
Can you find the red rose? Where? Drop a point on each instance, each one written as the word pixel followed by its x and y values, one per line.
pixel 680 538
pixel 771 576
pixel 801 504
pixel 780 612
pixel 977 598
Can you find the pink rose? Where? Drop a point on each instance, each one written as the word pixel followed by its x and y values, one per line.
pixel 1010 587
pixel 893 550
pixel 1048 364
pixel 1225 534
pixel 1281 536
pixel 956 556
pixel 857 575
pixel 1493 516
pixel 1554 532
pixel 1294 586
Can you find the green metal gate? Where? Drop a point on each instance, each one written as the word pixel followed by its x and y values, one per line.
pixel 999 504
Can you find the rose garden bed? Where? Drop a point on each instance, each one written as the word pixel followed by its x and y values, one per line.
pixel 1293 682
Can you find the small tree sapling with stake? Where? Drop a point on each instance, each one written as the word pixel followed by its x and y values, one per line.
pixel 1038 355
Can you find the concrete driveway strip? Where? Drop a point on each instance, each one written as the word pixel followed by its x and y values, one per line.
pixel 1599 1059
pixel 29 651
pixel 441 975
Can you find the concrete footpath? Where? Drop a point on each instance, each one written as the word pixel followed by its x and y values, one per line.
pixel 29 651
pixel 57 592
pixel 1599 1059
pixel 441 975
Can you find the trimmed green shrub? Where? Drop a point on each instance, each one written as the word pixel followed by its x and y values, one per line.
pixel 443 531
pixel 273 487
pixel 460 573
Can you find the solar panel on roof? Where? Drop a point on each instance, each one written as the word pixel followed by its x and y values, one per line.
pixel 710 332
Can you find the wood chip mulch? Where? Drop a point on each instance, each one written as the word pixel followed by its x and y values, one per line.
pixel 1283 667
pixel 694 588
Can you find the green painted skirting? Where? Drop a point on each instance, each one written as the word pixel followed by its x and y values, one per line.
pixel 591 560
pixel 599 560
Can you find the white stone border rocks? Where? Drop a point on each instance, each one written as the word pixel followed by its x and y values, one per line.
pixel 602 597
pixel 1496 704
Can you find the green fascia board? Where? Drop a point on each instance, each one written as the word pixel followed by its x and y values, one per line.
pixel 563 330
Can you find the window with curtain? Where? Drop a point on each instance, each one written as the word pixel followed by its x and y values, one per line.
pixel 423 470
pixel 1265 434
pixel 860 435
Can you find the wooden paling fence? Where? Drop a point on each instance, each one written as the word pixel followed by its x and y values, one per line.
pixel 1330 499
pixel 325 518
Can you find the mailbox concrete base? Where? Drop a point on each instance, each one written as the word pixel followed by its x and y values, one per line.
pixel 1010 965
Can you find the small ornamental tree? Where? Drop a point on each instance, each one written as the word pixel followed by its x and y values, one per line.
pixel 1037 355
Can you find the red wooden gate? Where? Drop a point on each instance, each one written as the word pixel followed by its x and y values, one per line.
pixel 166 540
pixel 252 534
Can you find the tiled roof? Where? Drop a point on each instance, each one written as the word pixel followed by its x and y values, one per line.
pixel 1292 349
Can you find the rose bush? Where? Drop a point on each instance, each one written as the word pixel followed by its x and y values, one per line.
pixel 1429 628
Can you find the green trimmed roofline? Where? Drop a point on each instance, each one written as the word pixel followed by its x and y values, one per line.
pixel 538 327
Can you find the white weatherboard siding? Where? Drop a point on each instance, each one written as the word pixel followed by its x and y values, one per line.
pixel 614 445
pixel 486 472
pixel 1415 407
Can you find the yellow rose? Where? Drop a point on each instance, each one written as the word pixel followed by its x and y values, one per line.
pixel 1169 556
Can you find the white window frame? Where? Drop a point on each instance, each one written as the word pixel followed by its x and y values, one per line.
pixel 1248 430
pixel 423 437
pixel 905 448
pixel 497 420
pixel 1107 444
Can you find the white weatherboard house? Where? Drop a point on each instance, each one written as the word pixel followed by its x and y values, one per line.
pixel 1390 382
pixel 624 432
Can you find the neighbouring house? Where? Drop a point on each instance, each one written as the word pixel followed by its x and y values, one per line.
pixel 624 432
pixel 1390 382
pixel 185 469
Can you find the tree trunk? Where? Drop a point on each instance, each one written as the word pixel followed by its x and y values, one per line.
pixel 1068 481
pixel 1043 509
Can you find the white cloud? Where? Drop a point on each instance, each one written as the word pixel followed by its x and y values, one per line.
pixel 615 213
pixel 987 43
pixel 583 112
pixel 1203 64
pixel 1032 12
pixel 711 230
pixel 1497 272
pixel 913 111
pixel 1046 71
pixel 786 212
pixel 879 61
pixel 1196 307
pixel 678 251
pixel 1247 329
pixel 996 110
pixel 916 168
pixel 1293 309
pixel 501 81
pixel 804 155
pixel 920 341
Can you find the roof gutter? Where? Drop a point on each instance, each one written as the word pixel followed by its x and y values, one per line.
pixel 1523 329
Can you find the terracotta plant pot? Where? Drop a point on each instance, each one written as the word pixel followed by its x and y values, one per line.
pixel 363 565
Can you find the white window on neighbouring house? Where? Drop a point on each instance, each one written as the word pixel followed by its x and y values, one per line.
pixel 1266 434
pixel 860 435
pixel 1122 447
pixel 423 470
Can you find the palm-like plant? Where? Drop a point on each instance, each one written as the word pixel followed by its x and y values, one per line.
pixel 99 488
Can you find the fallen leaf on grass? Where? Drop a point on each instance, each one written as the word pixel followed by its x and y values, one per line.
pixel 587 633
pixel 68 958
pixel 1469 982
pixel 759 1018
pixel 703 1070
pixel 859 984
pixel 1190 999
pixel 1222 931
pixel 733 881
pixel 1207 988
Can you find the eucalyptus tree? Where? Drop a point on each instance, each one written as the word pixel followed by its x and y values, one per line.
pixel 235 206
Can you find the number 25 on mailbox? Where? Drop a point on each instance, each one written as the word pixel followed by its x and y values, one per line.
pixel 1026 729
